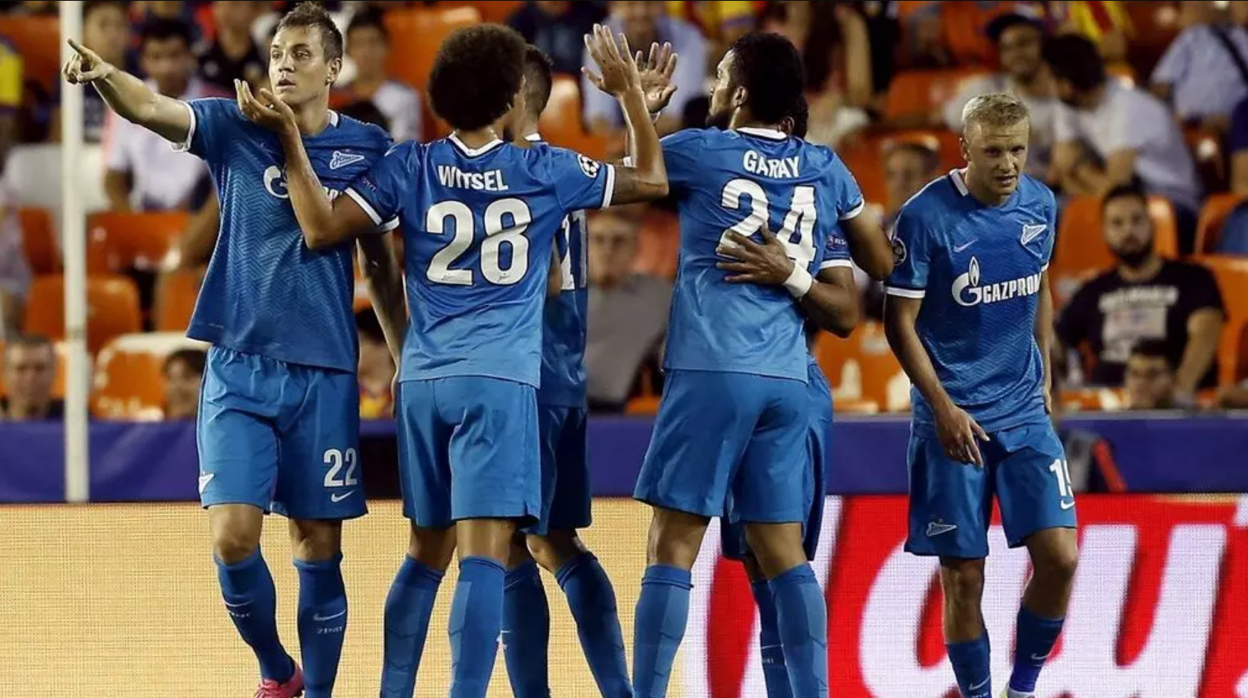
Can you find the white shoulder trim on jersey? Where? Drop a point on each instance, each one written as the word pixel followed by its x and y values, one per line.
pixel 1044 268
pixel 367 207
pixel 904 292
pixel 608 191
pixel 389 225
pixel 958 177
pixel 626 161
pixel 185 145
pixel 473 152
pixel 768 133
pixel 835 263
pixel 855 211
pixel 333 118
pixel 534 138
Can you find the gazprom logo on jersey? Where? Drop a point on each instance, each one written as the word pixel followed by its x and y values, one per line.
pixel 968 292
pixel 275 184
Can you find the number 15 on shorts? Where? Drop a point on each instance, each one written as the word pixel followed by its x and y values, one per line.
pixel 341 473
pixel 1065 489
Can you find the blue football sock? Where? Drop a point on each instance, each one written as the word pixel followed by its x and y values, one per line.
pixel 322 623
pixel 775 674
pixel 1033 642
pixel 526 632
pixel 972 667
pixel 251 600
pixel 592 601
pixel 476 620
pixel 662 612
pixel 802 618
pixel 408 608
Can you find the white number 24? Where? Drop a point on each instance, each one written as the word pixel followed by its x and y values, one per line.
pixel 799 220
pixel 335 460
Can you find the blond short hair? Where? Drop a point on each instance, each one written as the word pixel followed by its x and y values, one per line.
pixel 994 110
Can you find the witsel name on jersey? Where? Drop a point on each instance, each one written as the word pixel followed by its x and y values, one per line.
pixel 453 177
pixel 776 168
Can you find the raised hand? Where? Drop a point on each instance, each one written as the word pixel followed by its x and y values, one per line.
pixel 656 75
pixel 86 66
pixel 619 73
pixel 267 111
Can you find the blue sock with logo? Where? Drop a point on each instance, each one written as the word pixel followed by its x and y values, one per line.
pixel 408 608
pixel 591 599
pixel 476 621
pixel 972 666
pixel 251 600
pixel 661 616
pixel 802 619
pixel 1034 640
pixel 526 632
pixel 775 674
pixel 322 623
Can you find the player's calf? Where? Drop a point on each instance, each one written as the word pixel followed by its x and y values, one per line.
pixel 409 606
pixel 322 614
pixel 1055 557
pixel 775 674
pixel 663 607
pixel 526 624
pixel 477 610
pixel 801 612
pixel 966 639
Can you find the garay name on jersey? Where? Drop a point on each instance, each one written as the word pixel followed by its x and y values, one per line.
pixel 452 177
pixel 776 168
pixel 968 292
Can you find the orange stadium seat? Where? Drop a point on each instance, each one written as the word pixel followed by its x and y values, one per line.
pixel 1206 147
pixel 112 308
pixel 863 370
pixel 129 379
pixel 1232 276
pixel 491 10
pixel 416 36
pixel 176 294
pixel 39 240
pixel 38 41
pixel 643 405
pixel 865 158
pixel 1081 250
pixel 124 240
pixel 561 121
pixel 1212 216
pixel 1092 399
pixel 921 91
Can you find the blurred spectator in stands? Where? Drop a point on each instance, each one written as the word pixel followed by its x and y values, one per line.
pixel 376 368
pixel 11 86
pixel 627 311
pixel 1204 72
pixel 232 54
pixel 1150 381
pixel 368 46
pixel 836 55
pixel 1108 133
pixel 645 23
pixel 949 33
pixel 1144 298
pixel 1234 397
pixel 184 370
pixel 1019 37
pixel 1105 24
pixel 29 377
pixel 15 272
pixel 559 29
pixel 32 7
pixel 1237 146
pixel 144 173
pixel 144 12
pixel 720 21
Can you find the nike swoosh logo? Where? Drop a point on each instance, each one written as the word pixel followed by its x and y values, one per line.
pixel 1038 658
pixel 959 248
pixel 237 605
pixel 204 480
pixel 335 498
pixel 319 618
pixel 1067 505
pixel 981 684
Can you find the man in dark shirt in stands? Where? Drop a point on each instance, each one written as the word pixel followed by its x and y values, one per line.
pixel 29 376
pixel 1144 297
pixel 558 28
pixel 232 54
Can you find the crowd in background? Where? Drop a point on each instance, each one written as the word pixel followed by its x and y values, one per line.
pixel 1108 121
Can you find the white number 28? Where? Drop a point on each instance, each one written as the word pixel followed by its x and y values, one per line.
pixel 335 459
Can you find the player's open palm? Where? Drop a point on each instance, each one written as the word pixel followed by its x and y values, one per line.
pixel 267 110
pixel 960 435
pixel 617 71
pixel 86 66
pixel 656 71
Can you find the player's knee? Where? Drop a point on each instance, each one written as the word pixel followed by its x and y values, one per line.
pixel 555 549
pixel 962 581
pixel 1058 565
pixel 776 547
pixel 235 533
pixel 675 538
pixel 314 541
pixel 432 547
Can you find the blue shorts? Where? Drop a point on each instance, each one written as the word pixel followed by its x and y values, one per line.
pixel 951 503
pixel 722 434
pixel 566 495
pixel 281 437
pixel 819 430
pixel 468 449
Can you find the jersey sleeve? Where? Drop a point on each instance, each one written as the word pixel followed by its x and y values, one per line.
pixel 580 182
pixel 836 251
pixel 379 192
pixel 849 201
pixel 213 123
pixel 680 156
pixel 912 250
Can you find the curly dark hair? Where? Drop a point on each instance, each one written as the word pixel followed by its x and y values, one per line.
pixel 538 79
pixel 801 117
pixel 476 75
pixel 312 14
pixel 769 67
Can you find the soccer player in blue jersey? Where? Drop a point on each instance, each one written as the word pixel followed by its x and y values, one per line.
pixel 480 218
pixel 733 419
pixel 278 420
pixel 553 541
pixel 833 303
pixel 968 314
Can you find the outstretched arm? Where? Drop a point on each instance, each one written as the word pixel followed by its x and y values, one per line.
pixel 381 274
pixel 128 96
pixel 869 246
pixel 1044 337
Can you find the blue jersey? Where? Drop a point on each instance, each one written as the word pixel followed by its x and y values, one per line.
pixel 478 226
pixel 566 320
pixel 978 270
pixel 265 292
pixel 835 253
pixel 741 181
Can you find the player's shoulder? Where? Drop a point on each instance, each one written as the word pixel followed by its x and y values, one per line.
pixel 365 134
pixel 1035 190
pixel 937 196
pixel 693 137
pixel 545 156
